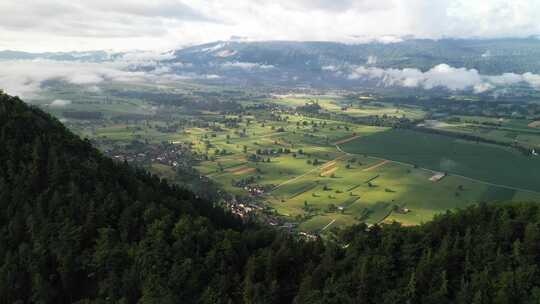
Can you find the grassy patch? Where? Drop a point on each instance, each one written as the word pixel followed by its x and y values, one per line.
pixel 445 154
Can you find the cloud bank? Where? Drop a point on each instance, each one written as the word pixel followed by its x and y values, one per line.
pixel 247 65
pixel 26 78
pixel 59 103
pixel 440 76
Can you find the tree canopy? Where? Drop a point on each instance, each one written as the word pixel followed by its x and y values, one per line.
pixel 78 227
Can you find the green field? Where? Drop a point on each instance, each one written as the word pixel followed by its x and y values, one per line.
pixel 498 129
pixel 315 183
pixel 485 162
pixel 353 108
pixel 393 184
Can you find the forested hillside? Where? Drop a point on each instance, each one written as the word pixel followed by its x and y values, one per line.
pixel 77 227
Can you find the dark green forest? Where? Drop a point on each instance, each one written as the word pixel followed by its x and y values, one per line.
pixel 77 227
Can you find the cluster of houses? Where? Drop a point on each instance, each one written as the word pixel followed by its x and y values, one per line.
pixel 166 154
pixel 248 211
pixel 244 210
pixel 255 190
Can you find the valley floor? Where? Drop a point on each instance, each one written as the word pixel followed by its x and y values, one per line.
pixel 311 171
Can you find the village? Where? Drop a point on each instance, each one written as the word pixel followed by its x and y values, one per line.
pixel 173 155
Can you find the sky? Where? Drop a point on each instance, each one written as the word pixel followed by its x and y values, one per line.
pixel 156 26
pixel 69 25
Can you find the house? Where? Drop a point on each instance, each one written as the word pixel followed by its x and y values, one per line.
pixel 437 177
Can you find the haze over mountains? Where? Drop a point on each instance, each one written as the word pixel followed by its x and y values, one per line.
pixel 477 65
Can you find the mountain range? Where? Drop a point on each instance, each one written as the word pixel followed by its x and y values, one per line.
pixel 323 64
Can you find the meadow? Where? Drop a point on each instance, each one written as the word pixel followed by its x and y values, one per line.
pixel 489 163
pixel 360 107
pixel 357 184
pixel 522 131
pixel 322 173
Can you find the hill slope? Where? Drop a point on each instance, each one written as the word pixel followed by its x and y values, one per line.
pixel 76 227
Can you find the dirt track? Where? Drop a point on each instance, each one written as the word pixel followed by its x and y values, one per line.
pixel 329 171
pixel 346 140
pixel 384 162
pixel 328 165
pixel 241 170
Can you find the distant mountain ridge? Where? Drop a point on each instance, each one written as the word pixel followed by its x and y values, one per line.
pixel 332 64
pixel 489 56
pixel 319 64
pixel 494 56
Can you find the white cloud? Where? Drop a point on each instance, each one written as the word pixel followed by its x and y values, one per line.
pixel 26 77
pixel 146 56
pixel 506 78
pixel 452 78
pixel 532 79
pixel 440 76
pixel 247 65
pixel 482 87
pixel 331 68
pixel 60 103
pixel 359 39
pixel 163 24
pixel 371 60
